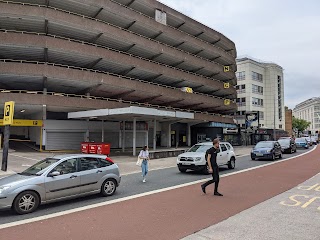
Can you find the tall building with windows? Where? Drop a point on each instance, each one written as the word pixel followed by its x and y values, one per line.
pixel 260 89
pixel 309 110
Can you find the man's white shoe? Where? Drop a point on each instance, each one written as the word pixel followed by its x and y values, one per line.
pixel 144 180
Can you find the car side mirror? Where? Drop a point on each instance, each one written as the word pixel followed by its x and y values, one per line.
pixel 54 174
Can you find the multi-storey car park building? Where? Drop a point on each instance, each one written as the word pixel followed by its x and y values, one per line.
pixel 309 110
pixel 129 58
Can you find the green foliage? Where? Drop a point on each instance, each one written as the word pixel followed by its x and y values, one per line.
pixel 300 124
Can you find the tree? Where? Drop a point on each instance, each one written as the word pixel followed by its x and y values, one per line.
pixel 300 124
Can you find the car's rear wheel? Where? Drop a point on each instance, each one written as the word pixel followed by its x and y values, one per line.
pixel 252 158
pixel 182 169
pixel 26 202
pixel 108 187
pixel 232 163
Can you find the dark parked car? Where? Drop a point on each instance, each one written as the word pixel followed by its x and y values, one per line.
pixel 302 143
pixel 288 145
pixel 267 150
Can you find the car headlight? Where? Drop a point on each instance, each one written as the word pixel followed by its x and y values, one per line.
pixel 3 188
pixel 198 158
pixel 268 151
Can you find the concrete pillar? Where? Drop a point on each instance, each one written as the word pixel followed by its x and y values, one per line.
pixel 169 135
pixel 123 136
pixel 102 133
pixel 189 135
pixel 134 137
pixel 87 132
pixel 155 134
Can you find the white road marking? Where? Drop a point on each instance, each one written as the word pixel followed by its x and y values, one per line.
pixel 52 215
pixel 26 165
pixel 10 154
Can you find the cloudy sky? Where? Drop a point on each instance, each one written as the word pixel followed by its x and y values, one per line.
pixel 286 32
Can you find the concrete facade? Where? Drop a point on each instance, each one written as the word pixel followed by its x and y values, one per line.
pixel 260 89
pixel 309 110
pixel 58 57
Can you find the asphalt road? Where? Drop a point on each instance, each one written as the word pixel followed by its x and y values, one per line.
pixel 132 184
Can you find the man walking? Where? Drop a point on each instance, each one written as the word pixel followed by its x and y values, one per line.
pixel 213 168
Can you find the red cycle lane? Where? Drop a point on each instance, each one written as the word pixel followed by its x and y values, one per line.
pixel 176 213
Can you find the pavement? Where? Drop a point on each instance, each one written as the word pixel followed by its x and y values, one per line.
pixel 294 214
pixel 279 200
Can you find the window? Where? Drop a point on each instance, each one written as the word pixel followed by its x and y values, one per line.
pixel 241 101
pixel 257 89
pixel 66 167
pixel 223 147
pixel 261 115
pixel 257 102
pixel 241 88
pixel 279 97
pixel 228 146
pixel 89 163
pixel 257 77
pixel 104 163
pixel 280 126
pixel 241 75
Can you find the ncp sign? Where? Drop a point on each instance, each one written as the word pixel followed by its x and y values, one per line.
pixel 8 113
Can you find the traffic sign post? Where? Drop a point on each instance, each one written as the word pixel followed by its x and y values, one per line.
pixel 7 121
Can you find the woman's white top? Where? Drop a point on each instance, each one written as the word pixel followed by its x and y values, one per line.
pixel 144 154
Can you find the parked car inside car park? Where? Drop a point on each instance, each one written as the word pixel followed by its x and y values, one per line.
pixel 194 158
pixel 59 178
pixel 302 143
pixel 288 145
pixel 266 150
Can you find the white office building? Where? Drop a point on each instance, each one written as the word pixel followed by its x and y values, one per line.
pixel 309 110
pixel 260 89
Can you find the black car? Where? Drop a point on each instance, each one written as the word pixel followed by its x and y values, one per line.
pixel 288 145
pixel 267 150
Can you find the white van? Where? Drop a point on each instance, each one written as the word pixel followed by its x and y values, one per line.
pixel 194 158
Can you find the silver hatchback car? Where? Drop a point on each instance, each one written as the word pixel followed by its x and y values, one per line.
pixel 59 178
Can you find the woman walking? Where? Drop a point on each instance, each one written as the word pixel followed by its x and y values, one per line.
pixel 144 155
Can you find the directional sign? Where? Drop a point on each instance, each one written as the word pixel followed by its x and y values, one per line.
pixel 226 85
pixel 227 102
pixel 24 123
pixel 187 89
pixel 8 113
pixel 226 68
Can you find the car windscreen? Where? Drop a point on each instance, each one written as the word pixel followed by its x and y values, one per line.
pixel 264 145
pixel 39 167
pixel 199 148
pixel 301 140
pixel 284 141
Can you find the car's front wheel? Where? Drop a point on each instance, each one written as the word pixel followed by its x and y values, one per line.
pixel 182 169
pixel 232 163
pixel 26 202
pixel 108 187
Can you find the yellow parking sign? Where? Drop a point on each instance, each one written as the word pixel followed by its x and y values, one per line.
pixel 227 102
pixel 226 68
pixel 8 113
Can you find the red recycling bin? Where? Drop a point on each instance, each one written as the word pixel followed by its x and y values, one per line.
pixel 103 148
pixel 85 147
pixel 92 148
